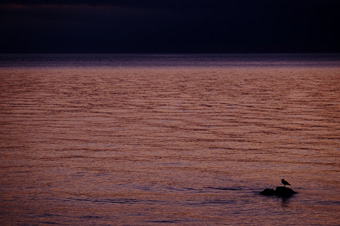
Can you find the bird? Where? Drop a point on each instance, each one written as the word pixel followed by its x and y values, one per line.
pixel 284 182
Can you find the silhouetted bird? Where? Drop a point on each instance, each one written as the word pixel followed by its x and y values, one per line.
pixel 284 182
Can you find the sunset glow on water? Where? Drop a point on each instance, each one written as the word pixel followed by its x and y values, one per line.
pixel 186 141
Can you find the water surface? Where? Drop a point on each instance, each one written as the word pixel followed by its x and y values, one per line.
pixel 165 142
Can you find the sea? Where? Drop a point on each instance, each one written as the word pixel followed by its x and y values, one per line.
pixel 169 139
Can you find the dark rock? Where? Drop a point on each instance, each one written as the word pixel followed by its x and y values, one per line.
pixel 268 192
pixel 279 191
pixel 284 191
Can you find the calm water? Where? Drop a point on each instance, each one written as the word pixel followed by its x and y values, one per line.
pixel 159 140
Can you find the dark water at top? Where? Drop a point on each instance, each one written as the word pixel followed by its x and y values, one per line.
pixel 169 139
pixel 159 60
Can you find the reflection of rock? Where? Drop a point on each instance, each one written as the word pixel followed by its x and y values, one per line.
pixel 279 191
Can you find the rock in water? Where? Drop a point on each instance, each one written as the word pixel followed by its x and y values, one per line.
pixel 268 192
pixel 284 192
pixel 279 191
